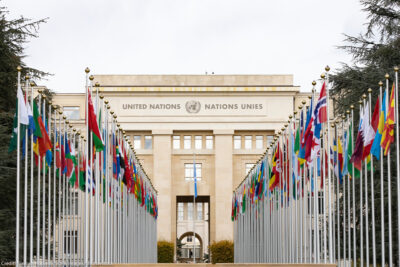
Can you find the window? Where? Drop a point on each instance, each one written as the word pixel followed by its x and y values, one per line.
pixel 70 242
pixel 187 142
pixel 237 142
pixel 72 203
pixel 176 142
pixel 209 142
pixel 199 211
pixel 137 141
pixel 180 211
pixel 72 113
pixel 249 166
pixel 259 142
pixel 189 238
pixel 320 203
pixel 190 211
pixel 189 172
pixel 247 142
pixel 148 142
pixel 270 138
pixel 198 140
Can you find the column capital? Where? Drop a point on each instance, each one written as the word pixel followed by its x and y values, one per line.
pixel 224 132
pixel 161 132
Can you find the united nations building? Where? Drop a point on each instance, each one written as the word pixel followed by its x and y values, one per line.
pixel 222 123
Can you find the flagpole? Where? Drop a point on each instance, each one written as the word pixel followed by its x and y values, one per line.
pixel 396 70
pixel 348 188
pixel 364 96
pixel 336 159
pixel 32 181
pixel 54 183
pixel 343 194
pixel 194 207
pixel 26 179
pixel 18 174
pixel 86 171
pixel 329 173
pixel 38 195
pixel 389 184
pixel 372 192
pixel 361 201
pixel 49 193
pixel 44 190
pixel 353 189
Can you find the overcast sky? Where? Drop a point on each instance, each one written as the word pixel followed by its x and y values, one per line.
pixel 187 37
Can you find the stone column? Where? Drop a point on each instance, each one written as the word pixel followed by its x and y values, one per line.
pixel 223 184
pixel 163 181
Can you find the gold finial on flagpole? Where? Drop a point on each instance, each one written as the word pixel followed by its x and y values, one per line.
pixel 300 107
pixel 115 116
pixel 380 83
pixel 101 96
pixel 27 77
pixel 347 111
pixel 327 68
pixel 40 91
pixel 70 126
pixel 50 102
pixel 369 90
pixel 309 97
pixel 87 70
pixel 74 130
pixel 123 132
pixel 290 116
pixel 108 107
pixel 32 84
pixel 60 112
pixel 333 125
pixel 314 83
pixel 303 102
pixel 118 125
pixel 64 117
pixel 54 106
pixel 295 112
pixel 396 69
pixel 44 96
pixel 91 77
pixel 364 96
pixel 323 76
pixel 360 102
pixel 351 106
pixel 19 68
pixel 111 112
pixel 386 76
pixel 78 133
pixel 343 117
pixel 97 84
pixel 106 102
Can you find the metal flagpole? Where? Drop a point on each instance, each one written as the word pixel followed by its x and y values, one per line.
pixel 49 194
pixel 334 124
pixel 389 185
pixel 348 189
pixel 194 207
pixel 54 184
pixel 372 192
pixel 353 188
pixel 361 201
pixel 18 174
pixel 44 192
pixel 329 173
pixel 344 196
pixel 364 96
pixel 396 70
pixel 86 172
pixel 25 180
pixel 32 182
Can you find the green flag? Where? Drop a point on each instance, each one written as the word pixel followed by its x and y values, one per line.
pixel 14 135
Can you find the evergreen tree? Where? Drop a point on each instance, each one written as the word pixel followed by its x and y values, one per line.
pixel 375 52
pixel 14 33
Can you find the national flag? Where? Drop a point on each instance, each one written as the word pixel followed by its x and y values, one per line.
pixel 388 131
pixel 376 145
pixel 43 139
pixel 356 157
pixel 195 179
pixel 276 169
pixel 93 126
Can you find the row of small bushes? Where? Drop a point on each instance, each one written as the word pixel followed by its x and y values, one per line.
pixel 221 252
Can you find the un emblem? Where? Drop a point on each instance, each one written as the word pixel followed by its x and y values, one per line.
pixel 193 106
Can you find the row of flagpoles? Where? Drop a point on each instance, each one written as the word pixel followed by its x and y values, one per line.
pixel 311 197
pixel 94 202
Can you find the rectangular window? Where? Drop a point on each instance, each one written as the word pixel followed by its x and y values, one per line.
pixel 72 113
pixel 249 166
pixel 198 142
pixel 259 142
pixel 180 211
pixel 189 171
pixel 187 142
pixel 209 142
pixel 247 142
pixel 190 211
pixel 176 142
pixel 148 142
pixel 199 211
pixel 237 142
pixel 189 238
pixel 72 203
pixel 70 242
pixel 310 204
pixel 137 141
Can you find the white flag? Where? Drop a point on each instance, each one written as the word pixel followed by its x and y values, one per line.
pixel 22 110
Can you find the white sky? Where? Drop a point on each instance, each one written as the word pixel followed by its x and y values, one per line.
pixel 187 37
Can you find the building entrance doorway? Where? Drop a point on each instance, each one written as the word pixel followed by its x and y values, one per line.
pixel 192 228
